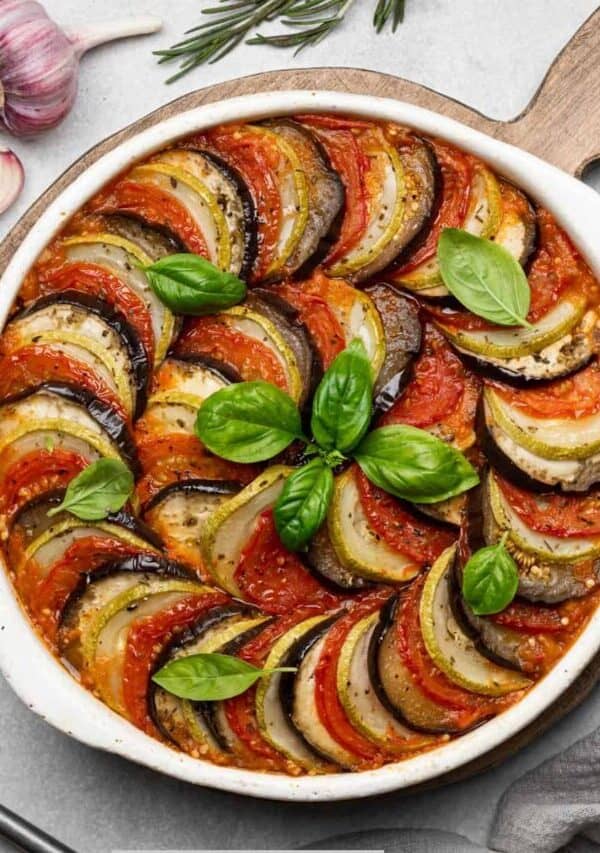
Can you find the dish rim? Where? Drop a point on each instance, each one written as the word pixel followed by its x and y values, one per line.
pixel 54 693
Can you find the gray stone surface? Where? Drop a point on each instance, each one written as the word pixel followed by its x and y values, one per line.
pixel 490 55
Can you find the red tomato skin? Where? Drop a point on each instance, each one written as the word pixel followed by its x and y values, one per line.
pixel 554 514
pixel 418 538
pixel 274 578
pixel 576 396
pixel 146 639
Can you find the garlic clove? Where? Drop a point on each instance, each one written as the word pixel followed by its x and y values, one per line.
pixel 12 178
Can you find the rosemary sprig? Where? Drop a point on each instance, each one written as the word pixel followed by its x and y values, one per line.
pixel 233 20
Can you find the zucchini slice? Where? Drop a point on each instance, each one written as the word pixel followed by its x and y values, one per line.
pixel 359 549
pixel 179 511
pixel 227 530
pixel 225 192
pixel 552 438
pixel 297 695
pixel 537 471
pixel 47 410
pixel 325 194
pixel 271 711
pixel 121 258
pixel 383 238
pixel 92 325
pixel 360 700
pixel 451 649
pixel 549 566
pixel 196 198
pixel 403 337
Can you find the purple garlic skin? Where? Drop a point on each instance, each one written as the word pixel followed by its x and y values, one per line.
pixel 39 63
pixel 12 178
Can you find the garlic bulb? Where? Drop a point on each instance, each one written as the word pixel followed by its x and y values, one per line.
pixel 39 63
pixel 12 178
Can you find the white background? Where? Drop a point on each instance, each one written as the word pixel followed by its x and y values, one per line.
pixel 491 55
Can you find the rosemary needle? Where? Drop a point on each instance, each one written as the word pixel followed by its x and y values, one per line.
pixel 231 21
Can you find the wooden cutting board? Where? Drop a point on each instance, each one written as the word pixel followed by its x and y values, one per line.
pixel 561 125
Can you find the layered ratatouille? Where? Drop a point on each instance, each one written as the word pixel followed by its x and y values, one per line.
pixel 334 224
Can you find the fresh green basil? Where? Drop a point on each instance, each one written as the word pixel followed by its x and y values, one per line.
pixel 248 422
pixel 302 505
pixel 210 677
pixel 342 404
pixel 484 277
pixel 414 465
pixel 101 488
pixel 490 579
pixel 189 284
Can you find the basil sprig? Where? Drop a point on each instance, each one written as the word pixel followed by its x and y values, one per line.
pixel 414 465
pixel 210 677
pixel 490 579
pixel 342 405
pixel 189 284
pixel 484 277
pixel 248 422
pixel 253 421
pixel 101 488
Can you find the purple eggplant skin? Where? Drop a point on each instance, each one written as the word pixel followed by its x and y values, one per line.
pixel 286 319
pixel 219 368
pixel 105 416
pixel 207 621
pixel 249 209
pixel 326 196
pixel 140 365
pixel 294 658
pixel 516 380
pixel 207 487
pixel 322 560
pixel 403 331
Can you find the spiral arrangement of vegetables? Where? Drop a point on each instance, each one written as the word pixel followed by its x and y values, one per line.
pixel 299 443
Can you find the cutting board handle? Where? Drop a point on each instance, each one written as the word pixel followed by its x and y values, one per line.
pixel 562 122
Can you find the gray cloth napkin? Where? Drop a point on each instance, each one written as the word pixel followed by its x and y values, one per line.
pixel 554 807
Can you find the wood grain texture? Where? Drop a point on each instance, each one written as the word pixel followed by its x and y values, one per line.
pixel 561 125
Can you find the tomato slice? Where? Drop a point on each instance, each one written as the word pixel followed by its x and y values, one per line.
pixel 35 473
pixel 274 578
pixel 351 163
pixel 530 618
pixel 27 367
pixel 329 707
pixel 392 520
pixel 319 319
pixel 146 639
pixel 442 393
pixel 557 267
pixel 50 594
pixel 256 158
pixel 95 279
pixel 470 708
pixel 156 207
pixel 576 396
pixel 555 514
pixel 215 337
pixel 241 710
pixel 456 170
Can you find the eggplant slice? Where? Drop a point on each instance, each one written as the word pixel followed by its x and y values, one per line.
pixel 325 192
pixel 322 558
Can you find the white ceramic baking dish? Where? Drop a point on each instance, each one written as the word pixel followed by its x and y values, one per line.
pixel 38 677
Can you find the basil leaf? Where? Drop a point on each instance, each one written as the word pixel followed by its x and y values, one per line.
pixel 210 677
pixel 189 284
pixel 484 277
pixel 490 579
pixel 414 465
pixel 342 404
pixel 248 422
pixel 303 503
pixel 101 488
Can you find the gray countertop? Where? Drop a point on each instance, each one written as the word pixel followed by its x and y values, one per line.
pixel 490 55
